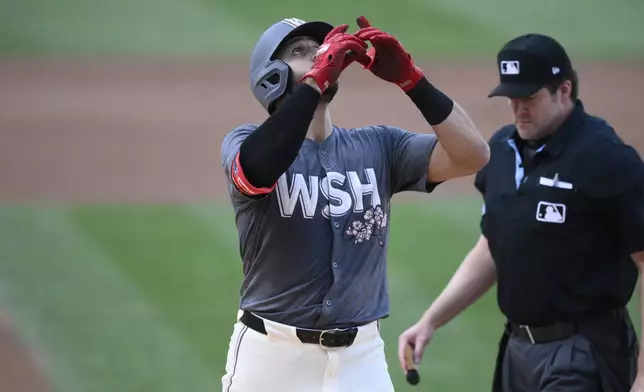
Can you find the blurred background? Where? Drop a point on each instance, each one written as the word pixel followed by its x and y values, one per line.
pixel 119 261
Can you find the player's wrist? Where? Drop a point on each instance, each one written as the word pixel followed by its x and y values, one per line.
pixel 309 80
pixel 411 81
pixel 428 322
pixel 432 103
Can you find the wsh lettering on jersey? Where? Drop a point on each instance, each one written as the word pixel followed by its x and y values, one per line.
pixel 345 192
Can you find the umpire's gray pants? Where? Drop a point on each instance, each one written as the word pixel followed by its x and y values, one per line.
pixel 564 365
pixel 574 364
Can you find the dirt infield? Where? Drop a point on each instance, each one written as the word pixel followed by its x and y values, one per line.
pixel 149 130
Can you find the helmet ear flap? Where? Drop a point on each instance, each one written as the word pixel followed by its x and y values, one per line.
pixel 271 82
pixel 290 85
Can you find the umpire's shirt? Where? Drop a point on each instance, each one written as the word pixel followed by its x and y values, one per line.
pixel 561 225
pixel 561 221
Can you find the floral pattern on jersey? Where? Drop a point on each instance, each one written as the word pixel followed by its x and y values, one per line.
pixel 372 223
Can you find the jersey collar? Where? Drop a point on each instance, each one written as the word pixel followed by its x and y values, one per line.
pixel 566 132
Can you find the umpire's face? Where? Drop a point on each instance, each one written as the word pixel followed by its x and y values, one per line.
pixel 539 114
pixel 298 53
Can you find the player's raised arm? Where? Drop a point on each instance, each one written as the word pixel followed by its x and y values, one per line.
pixel 461 150
pixel 267 152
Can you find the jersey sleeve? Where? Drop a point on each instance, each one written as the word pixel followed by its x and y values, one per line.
pixel 410 154
pixel 480 185
pixel 626 214
pixel 614 179
pixel 232 167
pixel 482 177
pixel 480 180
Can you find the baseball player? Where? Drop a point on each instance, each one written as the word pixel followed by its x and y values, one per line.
pixel 312 205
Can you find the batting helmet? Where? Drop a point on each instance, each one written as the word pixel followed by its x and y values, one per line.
pixel 270 77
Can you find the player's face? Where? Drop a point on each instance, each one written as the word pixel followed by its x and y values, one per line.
pixel 299 54
pixel 538 115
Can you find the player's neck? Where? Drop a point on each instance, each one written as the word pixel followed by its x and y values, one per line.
pixel 321 126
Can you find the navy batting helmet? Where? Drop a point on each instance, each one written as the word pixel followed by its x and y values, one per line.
pixel 269 77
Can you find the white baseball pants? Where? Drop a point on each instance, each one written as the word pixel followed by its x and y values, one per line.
pixel 279 362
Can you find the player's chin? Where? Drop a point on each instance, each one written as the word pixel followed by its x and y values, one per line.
pixel 330 93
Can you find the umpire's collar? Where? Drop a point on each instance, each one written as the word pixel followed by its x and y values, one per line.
pixel 556 143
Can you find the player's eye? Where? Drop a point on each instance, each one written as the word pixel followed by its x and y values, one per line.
pixel 297 50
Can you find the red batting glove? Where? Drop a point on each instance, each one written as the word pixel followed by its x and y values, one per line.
pixel 336 53
pixel 387 59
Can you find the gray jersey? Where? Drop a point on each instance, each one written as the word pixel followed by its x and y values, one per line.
pixel 314 248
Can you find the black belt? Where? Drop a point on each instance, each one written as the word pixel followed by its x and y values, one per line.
pixel 327 338
pixel 544 334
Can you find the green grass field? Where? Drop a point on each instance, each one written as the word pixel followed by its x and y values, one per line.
pixel 142 298
pixel 436 28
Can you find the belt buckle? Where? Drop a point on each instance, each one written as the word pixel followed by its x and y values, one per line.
pixel 527 329
pixel 325 332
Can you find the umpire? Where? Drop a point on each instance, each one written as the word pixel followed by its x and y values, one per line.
pixel 562 236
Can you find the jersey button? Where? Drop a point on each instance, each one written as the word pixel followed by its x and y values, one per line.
pixel 336 224
pixel 335 264
pixel 328 302
pixel 326 165
pixel 323 152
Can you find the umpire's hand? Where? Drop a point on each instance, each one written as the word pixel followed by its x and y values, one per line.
pixel 417 337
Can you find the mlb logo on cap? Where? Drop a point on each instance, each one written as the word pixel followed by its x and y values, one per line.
pixel 510 68
pixel 529 62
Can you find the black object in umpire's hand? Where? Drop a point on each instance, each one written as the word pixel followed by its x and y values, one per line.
pixel 412 374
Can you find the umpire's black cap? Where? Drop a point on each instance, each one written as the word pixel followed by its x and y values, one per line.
pixel 529 62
